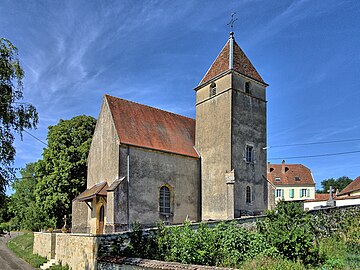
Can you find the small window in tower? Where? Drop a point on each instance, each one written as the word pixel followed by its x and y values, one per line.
pixel 247 87
pixel 249 153
pixel 212 89
pixel 248 194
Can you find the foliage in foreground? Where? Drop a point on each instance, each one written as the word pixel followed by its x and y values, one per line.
pixel 225 245
pixel 59 267
pixel 272 263
pixel 286 239
pixel 291 230
pixel 22 246
pixel 15 116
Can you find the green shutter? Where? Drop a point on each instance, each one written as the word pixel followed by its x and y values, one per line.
pixel 292 193
pixel 308 192
pixel 300 190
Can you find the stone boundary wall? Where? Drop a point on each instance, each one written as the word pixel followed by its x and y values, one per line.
pixel 44 244
pixel 108 263
pixel 106 242
pixel 77 251
pixel 80 251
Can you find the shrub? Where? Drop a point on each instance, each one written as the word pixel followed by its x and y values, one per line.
pixel 290 230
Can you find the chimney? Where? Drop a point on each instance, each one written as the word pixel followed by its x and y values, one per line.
pixel 283 166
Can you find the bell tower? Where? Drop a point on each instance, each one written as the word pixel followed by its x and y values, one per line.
pixel 231 136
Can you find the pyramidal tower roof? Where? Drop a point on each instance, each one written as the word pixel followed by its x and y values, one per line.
pixel 232 57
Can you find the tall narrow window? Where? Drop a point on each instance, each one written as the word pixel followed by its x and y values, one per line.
pixel 248 194
pixel 249 153
pixel 164 201
pixel 212 89
pixel 247 87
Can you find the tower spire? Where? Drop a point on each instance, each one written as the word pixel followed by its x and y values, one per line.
pixel 231 58
pixel 231 50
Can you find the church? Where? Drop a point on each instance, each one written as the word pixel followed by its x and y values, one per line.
pixel 146 164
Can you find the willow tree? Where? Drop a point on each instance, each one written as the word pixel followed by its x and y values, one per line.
pixel 15 116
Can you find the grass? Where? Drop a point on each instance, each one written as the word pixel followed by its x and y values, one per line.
pixel 59 267
pixel 22 246
pixel 338 254
pixel 267 263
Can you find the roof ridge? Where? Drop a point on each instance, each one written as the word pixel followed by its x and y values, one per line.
pixel 213 62
pixel 151 107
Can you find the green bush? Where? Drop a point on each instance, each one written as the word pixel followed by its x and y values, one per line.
pixel 291 231
pixel 224 245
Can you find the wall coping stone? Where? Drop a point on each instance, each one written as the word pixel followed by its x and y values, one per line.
pixel 154 264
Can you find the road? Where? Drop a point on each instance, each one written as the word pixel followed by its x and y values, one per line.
pixel 8 260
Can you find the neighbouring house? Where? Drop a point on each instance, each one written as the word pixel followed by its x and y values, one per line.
pixel 146 164
pixel 321 201
pixel 291 182
pixel 352 189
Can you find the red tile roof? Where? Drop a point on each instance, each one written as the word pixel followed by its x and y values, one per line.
pixel 290 172
pixel 353 186
pixel 241 64
pixel 152 128
pixel 325 197
pixel 322 197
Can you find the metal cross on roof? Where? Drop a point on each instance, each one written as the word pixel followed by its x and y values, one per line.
pixel 231 23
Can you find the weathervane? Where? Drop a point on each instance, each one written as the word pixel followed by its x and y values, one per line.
pixel 231 23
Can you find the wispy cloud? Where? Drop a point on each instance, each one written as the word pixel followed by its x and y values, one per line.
pixel 296 12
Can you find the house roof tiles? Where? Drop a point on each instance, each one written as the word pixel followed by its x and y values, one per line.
pixel 289 174
pixel 353 186
pixel 152 128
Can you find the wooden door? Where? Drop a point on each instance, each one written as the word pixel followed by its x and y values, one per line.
pixel 101 220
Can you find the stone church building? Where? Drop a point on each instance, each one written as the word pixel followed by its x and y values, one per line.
pixel 146 164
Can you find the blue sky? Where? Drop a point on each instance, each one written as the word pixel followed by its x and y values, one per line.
pixel 156 52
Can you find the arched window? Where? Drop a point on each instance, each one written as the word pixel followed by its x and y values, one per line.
pixel 212 89
pixel 248 194
pixel 164 200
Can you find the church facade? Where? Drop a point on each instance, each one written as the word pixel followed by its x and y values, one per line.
pixel 146 164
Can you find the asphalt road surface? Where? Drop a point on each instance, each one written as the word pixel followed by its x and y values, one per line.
pixel 8 260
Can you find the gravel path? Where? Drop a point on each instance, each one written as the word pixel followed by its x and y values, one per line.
pixel 8 260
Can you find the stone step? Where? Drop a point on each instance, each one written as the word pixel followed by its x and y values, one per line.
pixel 48 264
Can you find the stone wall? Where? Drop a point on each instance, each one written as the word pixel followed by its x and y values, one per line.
pixel 44 244
pixel 149 170
pixel 107 243
pixel 77 251
pixel 80 251
pixel 136 263
pixel 330 219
